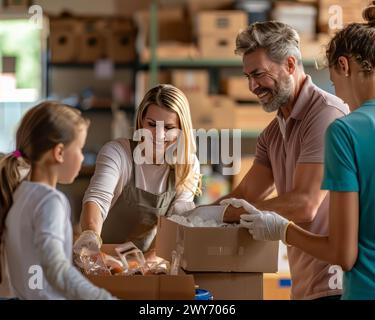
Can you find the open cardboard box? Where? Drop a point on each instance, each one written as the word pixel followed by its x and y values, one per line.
pixel 149 287
pixel 216 249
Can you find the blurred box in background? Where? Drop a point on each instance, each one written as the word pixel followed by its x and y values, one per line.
pixel 195 6
pixel 216 32
pixel 220 46
pixel 191 82
pixel 251 117
pixel 120 40
pixel 17 4
pixel 314 49
pixel 63 39
pixel 302 17
pixel 257 10
pixel 128 8
pixel 174 29
pixel 238 89
pixel 220 22
pixel 91 41
pixel 212 112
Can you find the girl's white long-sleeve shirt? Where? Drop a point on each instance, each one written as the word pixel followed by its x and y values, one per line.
pixel 38 247
pixel 114 165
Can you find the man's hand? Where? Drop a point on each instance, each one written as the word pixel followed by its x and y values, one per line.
pixel 262 225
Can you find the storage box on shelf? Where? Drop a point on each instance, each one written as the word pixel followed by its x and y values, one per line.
pixel 16 4
pixel 195 6
pixel 174 34
pixel 314 49
pixel 120 41
pixel 257 10
pixel 238 89
pixel 191 82
pixel 63 40
pixel 251 117
pixel 211 112
pixel 217 31
pixel 86 40
pixel 302 17
pixel 91 41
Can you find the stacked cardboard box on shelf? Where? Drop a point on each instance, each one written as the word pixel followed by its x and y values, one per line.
pixel 91 41
pixel 212 112
pixel 251 117
pixel 174 34
pixel 225 261
pixel 86 40
pixel 300 16
pixel 217 31
pixel 238 88
pixel 63 40
pixel 207 111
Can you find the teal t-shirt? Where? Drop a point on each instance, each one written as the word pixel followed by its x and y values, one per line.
pixel 350 167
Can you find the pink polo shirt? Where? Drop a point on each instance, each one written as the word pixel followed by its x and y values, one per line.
pixel 284 144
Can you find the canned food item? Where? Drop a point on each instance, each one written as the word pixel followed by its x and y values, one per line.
pixel 201 294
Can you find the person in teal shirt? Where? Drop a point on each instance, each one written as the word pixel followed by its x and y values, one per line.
pixel 349 172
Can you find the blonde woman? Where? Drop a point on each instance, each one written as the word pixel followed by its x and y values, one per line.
pixel 126 195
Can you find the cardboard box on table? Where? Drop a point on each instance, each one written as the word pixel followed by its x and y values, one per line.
pixel 148 287
pixel 225 261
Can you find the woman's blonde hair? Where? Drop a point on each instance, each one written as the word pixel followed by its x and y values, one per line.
pixel 172 98
pixel 42 128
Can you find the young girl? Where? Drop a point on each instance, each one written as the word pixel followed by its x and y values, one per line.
pixel 35 223
pixel 125 196
pixel 349 171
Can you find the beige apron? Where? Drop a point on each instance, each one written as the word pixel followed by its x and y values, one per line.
pixel 135 213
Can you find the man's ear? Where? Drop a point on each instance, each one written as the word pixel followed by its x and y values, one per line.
pixel 58 153
pixel 291 64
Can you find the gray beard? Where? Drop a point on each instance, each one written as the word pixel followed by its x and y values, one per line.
pixel 282 93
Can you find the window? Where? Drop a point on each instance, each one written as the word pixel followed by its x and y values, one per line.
pixel 20 75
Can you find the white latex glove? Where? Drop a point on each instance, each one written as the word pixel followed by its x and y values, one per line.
pixel 88 239
pixel 262 225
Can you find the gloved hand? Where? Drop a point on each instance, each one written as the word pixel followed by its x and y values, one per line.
pixel 262 225
pixel 88 239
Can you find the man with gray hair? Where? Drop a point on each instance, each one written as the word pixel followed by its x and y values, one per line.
pixel 289 152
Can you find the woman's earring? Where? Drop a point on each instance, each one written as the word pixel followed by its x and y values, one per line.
pixel 346 74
